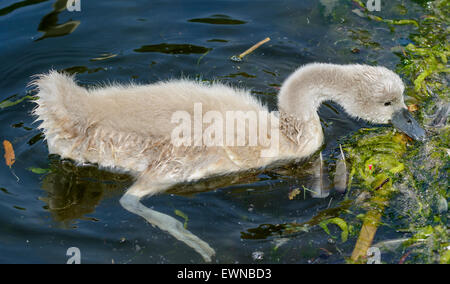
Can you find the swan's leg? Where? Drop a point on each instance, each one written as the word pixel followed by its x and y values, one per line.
pixel 131 201
pixel 320 182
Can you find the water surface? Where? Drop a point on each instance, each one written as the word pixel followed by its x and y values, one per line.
pixel 42 215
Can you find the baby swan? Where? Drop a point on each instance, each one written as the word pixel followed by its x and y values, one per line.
pixel 147 130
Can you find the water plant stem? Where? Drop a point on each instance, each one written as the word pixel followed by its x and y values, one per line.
pixel 371 221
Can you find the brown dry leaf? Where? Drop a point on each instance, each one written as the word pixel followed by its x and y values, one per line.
pixel 10 157
pixel 413 107
pixel 294 193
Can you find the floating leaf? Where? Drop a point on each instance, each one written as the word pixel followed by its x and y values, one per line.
pixel 413 107
pixel 10 157
pixel 294 193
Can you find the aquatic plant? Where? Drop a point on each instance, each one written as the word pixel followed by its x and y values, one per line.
pixel 424 186
pixel 395 182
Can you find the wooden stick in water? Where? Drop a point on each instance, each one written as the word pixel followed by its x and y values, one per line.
pixel 250 50
pixel 370 226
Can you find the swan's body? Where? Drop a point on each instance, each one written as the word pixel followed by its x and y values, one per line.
pixel 130 128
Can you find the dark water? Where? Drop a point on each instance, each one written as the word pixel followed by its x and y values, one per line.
pixel 42 215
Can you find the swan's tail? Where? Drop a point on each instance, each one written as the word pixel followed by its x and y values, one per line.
pixel 59 101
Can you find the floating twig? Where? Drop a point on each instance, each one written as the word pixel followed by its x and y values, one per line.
pixel 239 57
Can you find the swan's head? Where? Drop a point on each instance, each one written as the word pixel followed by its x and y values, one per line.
pixel 377 97
pixel 374 94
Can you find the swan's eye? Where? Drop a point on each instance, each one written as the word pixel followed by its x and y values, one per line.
pixel 387 103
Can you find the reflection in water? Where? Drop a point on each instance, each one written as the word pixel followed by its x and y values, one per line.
pixel 320 185
pixel 304 31
pixel 82 69
pixel 264 231
pixel 364 38
pixel 11 8
pixel 329 6
pixel 49 23
pixel 4 190
pixel 35 139
pixel 218 20
pixel 217 40
pixel 73 192
pixel 243 74
pixel 173 48
pixel 190 188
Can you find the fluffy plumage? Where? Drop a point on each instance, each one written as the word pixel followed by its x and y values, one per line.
pixel 128 128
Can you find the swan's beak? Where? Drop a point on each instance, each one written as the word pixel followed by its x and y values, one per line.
pixel 403 121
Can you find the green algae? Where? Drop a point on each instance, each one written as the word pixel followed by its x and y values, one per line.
pixel 38 171
pixel 406 182
pixel 377 161
pixel 340 223
pixel 184 216
pixel 424 65
pixel 8 103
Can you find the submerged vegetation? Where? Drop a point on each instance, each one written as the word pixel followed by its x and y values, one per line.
pixel 395 183
pixel 425 186
pixel 417 174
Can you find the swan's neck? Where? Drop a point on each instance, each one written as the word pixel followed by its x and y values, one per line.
pixel 301 96
pixel 304 91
